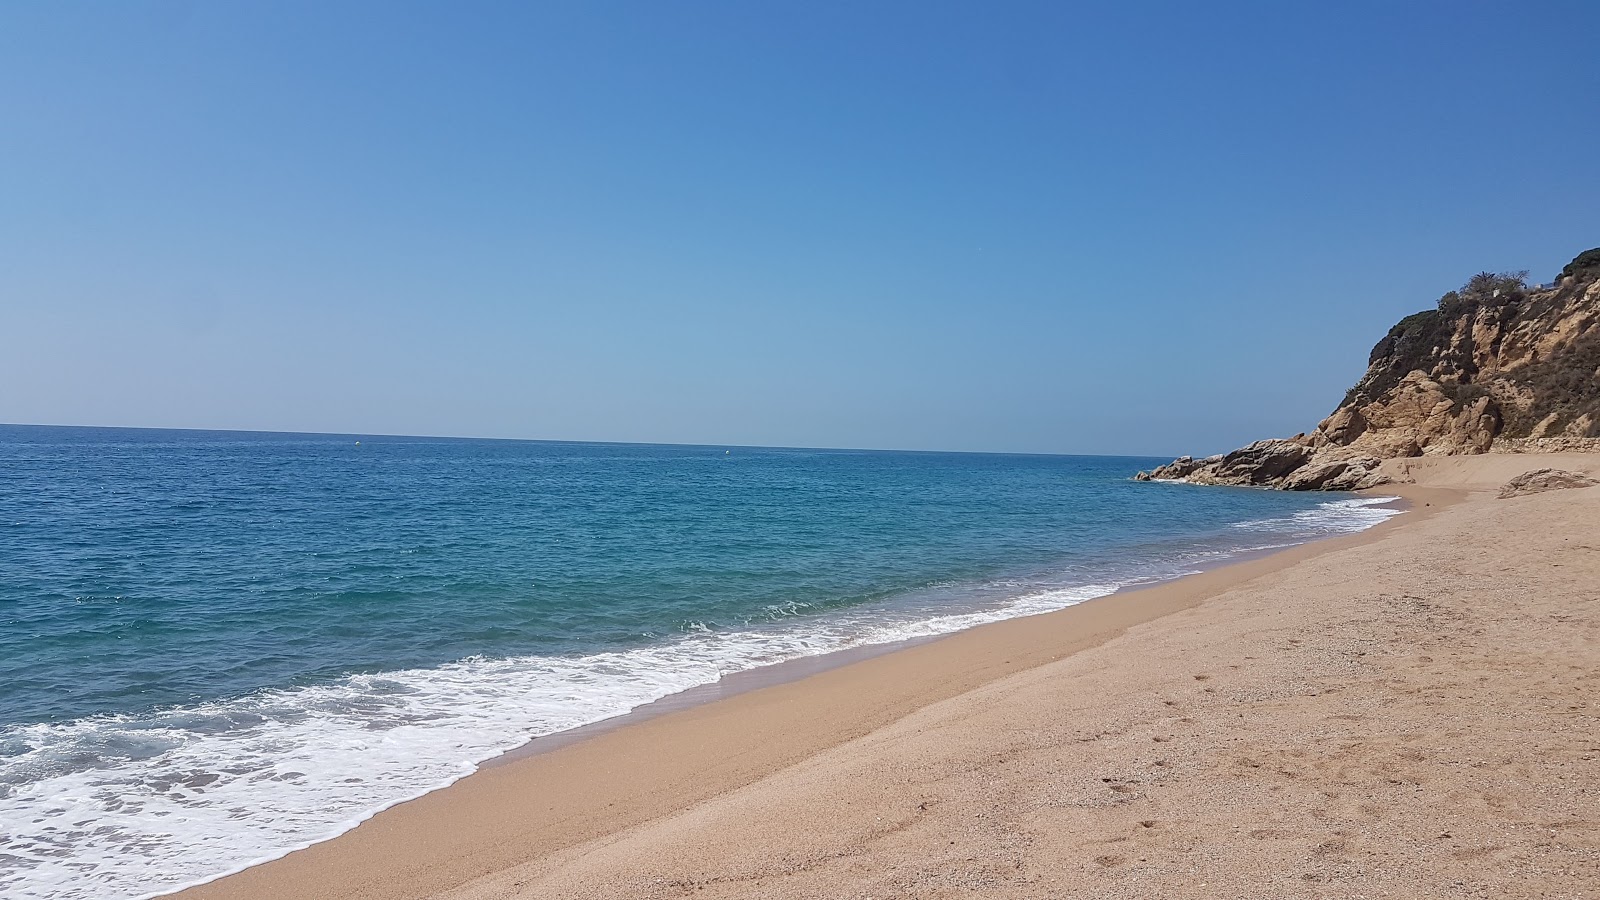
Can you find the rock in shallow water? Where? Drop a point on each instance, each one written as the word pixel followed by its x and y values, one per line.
pixel 1287 464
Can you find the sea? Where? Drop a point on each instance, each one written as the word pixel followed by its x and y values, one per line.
pixel 218 647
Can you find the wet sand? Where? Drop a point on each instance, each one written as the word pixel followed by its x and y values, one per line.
pixel 1403 712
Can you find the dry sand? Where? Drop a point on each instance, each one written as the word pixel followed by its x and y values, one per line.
pixel 1404 713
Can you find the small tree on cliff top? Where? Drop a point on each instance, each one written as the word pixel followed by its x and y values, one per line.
pixel 1485 288
pixel 1487 284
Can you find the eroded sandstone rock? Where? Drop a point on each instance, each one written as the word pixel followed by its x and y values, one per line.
pixel 1494 365
pixel 1544 480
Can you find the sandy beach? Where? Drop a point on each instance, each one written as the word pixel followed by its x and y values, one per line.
pixel 757 451
pixel 1407 712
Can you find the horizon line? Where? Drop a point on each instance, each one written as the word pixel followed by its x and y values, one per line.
pixel 460 437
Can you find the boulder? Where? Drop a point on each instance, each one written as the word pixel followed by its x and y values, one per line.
pixel 1540 480
pixel 1264 461
pixel 1177 470
pixel 1262 464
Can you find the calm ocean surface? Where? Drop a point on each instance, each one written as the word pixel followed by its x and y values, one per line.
pixel 218 646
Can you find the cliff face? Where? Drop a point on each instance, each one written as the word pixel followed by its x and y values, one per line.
pixel 1495 365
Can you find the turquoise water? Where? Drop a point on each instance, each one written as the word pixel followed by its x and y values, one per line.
pixel 218 646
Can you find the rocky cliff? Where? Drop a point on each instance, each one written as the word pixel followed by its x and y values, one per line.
pixel 1496 365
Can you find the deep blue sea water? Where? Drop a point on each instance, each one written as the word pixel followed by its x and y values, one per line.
pixel 219 646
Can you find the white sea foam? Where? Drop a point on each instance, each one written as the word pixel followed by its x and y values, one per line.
pixel 1333 517
pixel 135 806
pixel 122 806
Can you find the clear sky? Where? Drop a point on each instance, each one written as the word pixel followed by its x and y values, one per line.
pixel 1110 228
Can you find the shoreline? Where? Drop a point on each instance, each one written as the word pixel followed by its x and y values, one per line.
pixel 809 705
pixel 791 670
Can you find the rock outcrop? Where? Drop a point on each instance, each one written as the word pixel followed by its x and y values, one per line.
pixel 1289 463
pixel 1496 365
pixel 1544 480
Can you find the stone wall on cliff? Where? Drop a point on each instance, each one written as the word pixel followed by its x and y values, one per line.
pixel 1494 364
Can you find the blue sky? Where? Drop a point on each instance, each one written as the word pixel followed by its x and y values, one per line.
pixel 1160 228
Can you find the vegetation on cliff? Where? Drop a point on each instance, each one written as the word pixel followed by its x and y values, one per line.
pixel 1534 354
pixel 1494 361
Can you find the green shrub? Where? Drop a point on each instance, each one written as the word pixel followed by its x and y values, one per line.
pixel 1584 264
pixel 1486 285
